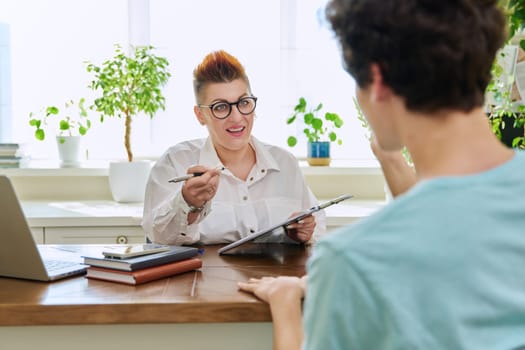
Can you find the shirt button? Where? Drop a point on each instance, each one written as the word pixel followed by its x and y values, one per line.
pixel 252 230
pixel 245 198
pixel 263 170
pixel 251 178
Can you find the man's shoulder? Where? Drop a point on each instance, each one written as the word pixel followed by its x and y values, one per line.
pixel 384 226
pixel 520 156
pixel 351 236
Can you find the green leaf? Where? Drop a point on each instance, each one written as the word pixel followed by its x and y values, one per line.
pixel 292 141
pixel 64 125
pixel 338 122
pixel 301 106
pixel 317 124
pixel 51 110
pixel 332 136
pixel 310 136
pixel 40 134
pixel 308 118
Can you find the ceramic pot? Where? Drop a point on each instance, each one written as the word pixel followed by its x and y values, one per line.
pixel 318 153
pixel 69 150
pixel 127 180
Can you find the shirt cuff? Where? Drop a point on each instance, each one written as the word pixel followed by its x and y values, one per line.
pixel 180 203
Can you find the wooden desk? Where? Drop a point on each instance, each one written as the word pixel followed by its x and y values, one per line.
pixel 198 309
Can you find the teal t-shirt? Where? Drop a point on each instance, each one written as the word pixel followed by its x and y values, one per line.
pixel 441 267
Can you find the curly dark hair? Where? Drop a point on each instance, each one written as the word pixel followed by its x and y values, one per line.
pixel 436 54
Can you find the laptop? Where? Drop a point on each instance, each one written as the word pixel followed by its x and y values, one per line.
pixel 257 239
pixel 20 256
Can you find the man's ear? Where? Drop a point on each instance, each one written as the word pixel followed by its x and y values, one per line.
pixel 198 113
pixel 379 91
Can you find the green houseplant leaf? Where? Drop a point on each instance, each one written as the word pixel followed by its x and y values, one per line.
pixel 500 105
pixel 72 120
pixel 130 84
pixel 318 126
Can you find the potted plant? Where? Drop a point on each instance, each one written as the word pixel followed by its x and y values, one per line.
pixel 506 113
pixel 319 130
pixel 505 108
pixel 129 85
pixel 71 125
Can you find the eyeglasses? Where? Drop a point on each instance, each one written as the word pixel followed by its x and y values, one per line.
pixel 222 110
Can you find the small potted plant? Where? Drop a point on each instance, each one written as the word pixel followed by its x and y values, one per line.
pixel 71 124
pixel 319 129
pixel 506 109
pixel 506 113
pixel 129 85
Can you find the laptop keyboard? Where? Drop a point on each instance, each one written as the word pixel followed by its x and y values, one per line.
pixel 53 265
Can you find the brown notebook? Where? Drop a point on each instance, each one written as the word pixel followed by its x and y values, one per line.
pixel 144 275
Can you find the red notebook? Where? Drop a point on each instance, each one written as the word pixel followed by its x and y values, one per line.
pixel 145 275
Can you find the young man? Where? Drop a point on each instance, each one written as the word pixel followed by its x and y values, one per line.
pixel 441 266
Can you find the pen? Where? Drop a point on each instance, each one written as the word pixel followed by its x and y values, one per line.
pixel 185 177
pixel 189 176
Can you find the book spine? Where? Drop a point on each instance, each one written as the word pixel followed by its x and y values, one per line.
pixel 162 260
pixel 158 272
pixel 145 275
pixel 139 263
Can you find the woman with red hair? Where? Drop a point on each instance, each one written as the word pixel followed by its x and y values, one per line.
pixel 243 185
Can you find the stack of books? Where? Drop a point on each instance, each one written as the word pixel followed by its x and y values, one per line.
pixel 13 155
pixel 143 268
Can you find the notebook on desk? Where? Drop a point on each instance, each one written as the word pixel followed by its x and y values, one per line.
pixel 20 256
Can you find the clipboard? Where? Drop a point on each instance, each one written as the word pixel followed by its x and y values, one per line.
pixel 283 224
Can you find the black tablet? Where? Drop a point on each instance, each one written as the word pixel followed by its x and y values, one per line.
pixel 288 221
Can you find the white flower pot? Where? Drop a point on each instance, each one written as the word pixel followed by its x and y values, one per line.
pixel 127 180
pixel 69 150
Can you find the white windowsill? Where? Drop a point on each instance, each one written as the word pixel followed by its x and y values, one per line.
pixel 100 168
pixel 46 180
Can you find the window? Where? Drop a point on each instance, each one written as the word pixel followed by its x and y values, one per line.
pixel 286 52
pixel 49 41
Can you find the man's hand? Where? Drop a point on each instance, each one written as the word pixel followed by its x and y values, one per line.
pixel 268 288
pixel 284 294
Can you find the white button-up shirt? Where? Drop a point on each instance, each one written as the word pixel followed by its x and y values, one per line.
pixel 274 189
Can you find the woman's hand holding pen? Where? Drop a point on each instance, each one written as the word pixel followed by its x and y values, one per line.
pixel 302 230
pixel 198 190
